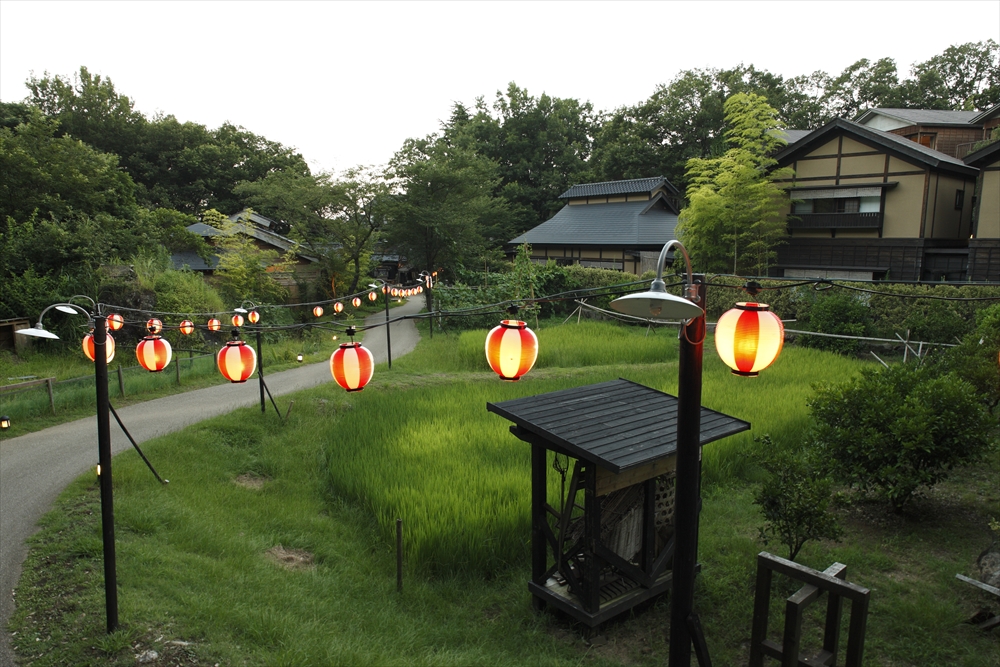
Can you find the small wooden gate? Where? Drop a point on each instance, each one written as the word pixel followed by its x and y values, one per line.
pixel 614 443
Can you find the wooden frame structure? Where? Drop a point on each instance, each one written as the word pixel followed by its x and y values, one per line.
pixel 600 555
pixel 830 581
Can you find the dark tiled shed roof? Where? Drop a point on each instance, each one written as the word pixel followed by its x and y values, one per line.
pixel 616 425
pixel 633 186
pixel 631 224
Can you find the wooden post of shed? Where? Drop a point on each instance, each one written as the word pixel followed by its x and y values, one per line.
pixel 52 398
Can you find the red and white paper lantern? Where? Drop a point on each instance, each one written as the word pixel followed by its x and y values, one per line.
pixel 352 366
pixel 511 349
pixel 186 327
pixel 318 311
pixel 115 321
pixel 214 324
pixel 153 353
pixel 254 317
pixel 237 320
pixel 748 338
pixel 237 361
pixel 154 326
pixel 109 347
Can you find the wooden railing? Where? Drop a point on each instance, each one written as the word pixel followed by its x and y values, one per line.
pixel 835 221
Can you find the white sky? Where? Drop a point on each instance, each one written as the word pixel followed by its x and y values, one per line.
pixel 346 83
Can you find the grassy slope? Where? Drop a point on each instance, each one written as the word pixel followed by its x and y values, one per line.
pixel 192 564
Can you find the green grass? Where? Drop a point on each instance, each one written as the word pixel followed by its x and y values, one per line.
pixel 418 444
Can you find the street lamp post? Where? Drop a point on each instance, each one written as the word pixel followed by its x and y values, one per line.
pixel 658 303
pixel 99 323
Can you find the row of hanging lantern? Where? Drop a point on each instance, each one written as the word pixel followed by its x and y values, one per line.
pixel 748 338
pixel 338 306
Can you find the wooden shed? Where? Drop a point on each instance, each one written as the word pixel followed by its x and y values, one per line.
pixel 614 442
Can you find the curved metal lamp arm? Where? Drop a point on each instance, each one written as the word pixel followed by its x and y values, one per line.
pixel 79 309
pixel 690 292
pixel 84 296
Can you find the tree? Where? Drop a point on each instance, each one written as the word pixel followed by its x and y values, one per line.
pixel 965 76
pixel 444 207
pixel 733 220
pixel 175 165
pixel 540 146
pixel 863 85
pixel 794 499
pixel 894 430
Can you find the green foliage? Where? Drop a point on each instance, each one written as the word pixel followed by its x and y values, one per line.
pixel 446 211
pixel 840 312
pixel 975 359
pixel 183 166
pixel 733 219
pixel 794 499
pixel 246 271
pixel 898 429
pixel 540 146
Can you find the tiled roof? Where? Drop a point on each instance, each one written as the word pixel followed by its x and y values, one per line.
pixel 923 116
pixel 992 112
pixel 633 186
pixel 193 261
pixel 622 224
pixel 901 145
pixel 791 136
pixel 259 233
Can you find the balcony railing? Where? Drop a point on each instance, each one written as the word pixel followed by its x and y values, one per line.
pixel 835 221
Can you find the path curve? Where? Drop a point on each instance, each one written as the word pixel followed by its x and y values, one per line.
pixel 36 467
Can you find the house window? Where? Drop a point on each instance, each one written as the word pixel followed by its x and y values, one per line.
pixel 959 199
pixel 845 205
pixel 926 140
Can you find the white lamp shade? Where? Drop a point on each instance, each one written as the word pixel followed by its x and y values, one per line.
pixel 660 305
pixel 37 333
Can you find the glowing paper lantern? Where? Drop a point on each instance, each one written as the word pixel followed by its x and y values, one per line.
pixel 254 317
pixel 214 324
pixel 356 302
pixel 115 321
pixel 88 347
pixel 372 296
pixel 420 290
pixel 318 311
pixel 186 327
pixel 338 307
pixel 748 338
pixel 395 291
pixel 384 289
pixel 511 349
pixel 237 320
pixel 153 353
pixel 352 366
pixel 237 361
pixel 154 326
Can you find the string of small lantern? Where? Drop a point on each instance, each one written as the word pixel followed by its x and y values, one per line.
pixel 748 337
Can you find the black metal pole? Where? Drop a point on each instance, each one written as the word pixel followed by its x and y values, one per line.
pixel 688 488
pixel 104 459
pixel 260 376
pixel 388 340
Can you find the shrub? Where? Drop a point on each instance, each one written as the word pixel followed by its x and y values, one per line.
pixel 975 359
pixel 838 312
pixel 794 500
pixel 895 430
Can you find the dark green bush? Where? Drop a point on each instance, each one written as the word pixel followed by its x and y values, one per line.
pixel 894 430
pixel 838 312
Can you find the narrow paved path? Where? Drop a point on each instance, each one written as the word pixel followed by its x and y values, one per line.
pixel 35 468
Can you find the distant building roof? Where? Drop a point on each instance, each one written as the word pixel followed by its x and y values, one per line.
pixel 989 114
pixel 921 116
pixel 893 142
pixel 260 233
pixel 255 218
pixel 633 186
pixel 791 136
pixel 639 223
pixel 193 261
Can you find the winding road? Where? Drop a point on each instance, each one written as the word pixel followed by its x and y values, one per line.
pixel 36 467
